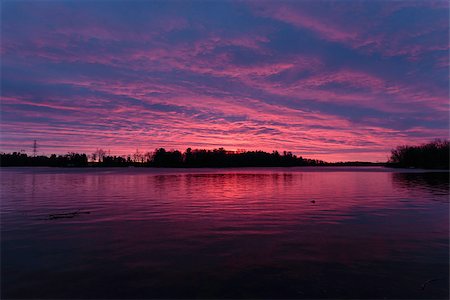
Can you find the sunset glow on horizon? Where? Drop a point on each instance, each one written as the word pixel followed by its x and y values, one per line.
pixel 330 80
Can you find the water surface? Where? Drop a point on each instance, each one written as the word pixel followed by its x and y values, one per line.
pixel 224 233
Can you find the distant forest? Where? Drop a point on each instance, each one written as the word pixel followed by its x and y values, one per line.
pixel 197 158
pixel 434 155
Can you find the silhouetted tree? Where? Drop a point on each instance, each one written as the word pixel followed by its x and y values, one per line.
pixel 434 155
pixel 101 154
pixel 148 157
pixel 161 158
pixel 22 159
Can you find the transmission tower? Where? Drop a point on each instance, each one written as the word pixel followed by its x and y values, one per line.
pixel 35 148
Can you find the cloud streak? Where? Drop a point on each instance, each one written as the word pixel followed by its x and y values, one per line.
pixel 324 79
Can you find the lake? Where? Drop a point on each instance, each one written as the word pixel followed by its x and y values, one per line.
pixel 307 232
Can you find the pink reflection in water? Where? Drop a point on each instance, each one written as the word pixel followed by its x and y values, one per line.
pixel 248 233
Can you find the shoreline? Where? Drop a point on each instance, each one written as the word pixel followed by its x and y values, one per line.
pixel 198 170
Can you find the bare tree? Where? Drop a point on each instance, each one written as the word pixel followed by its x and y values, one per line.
pixel 138 156
pixel 148 156
pixel 101 153
pixel 94 156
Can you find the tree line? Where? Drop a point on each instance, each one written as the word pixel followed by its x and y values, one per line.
pixel 433 155
pixel 18 159
pixel 197 158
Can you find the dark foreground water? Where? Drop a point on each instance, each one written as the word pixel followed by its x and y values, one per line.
pixel 233 233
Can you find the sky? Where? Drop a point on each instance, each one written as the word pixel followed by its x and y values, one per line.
pixel 331 80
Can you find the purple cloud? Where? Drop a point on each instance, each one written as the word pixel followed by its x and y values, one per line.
pixel 327 79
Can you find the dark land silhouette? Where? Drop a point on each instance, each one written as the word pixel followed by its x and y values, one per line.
pixel 198 158
pixel 18 159
pixel 434 155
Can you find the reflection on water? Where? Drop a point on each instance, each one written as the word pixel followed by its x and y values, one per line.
pixel 239 233
pixel 432 182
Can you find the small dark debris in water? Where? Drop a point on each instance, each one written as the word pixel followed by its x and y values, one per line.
pixel 66 215
pixel 313 201
pixel 428 281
